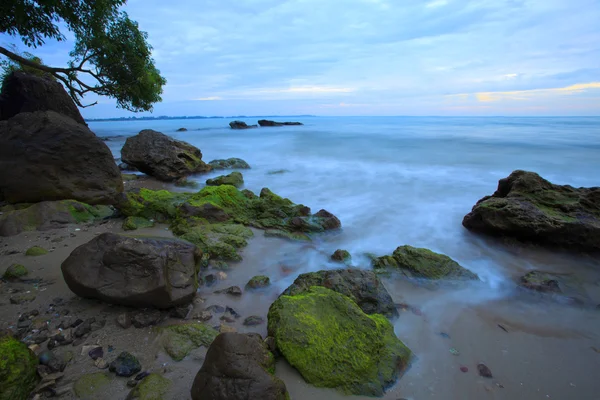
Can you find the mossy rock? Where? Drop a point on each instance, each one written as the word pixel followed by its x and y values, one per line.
pixel 152 387
pixel 341 256
pixel 258 282
pixel 334 344
pixel 234 179
pixel 179 340
pixel 18 365
pixel 230 163
pixel 15 271
pixel 129 177
pixel 133 223
pixel 36 251
pixel 219 241
pixel 293 236
pixel 422 263
pixel 92 386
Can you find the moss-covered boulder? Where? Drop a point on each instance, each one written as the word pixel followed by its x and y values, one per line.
pixel 15 271
pixel 234 179
pixel 333 343
pixel 49 215
pixel 258 282
pixel 364 287
pixel 341 256
pixel 230 163
pixel 152 387
pixel 133 223
pixel 18 365
pixel 422 263
pixel 35 251
pixel 529 208
pixel 179 340
pixel 92 386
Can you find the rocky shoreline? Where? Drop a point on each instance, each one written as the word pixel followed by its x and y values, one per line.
pixel 139 262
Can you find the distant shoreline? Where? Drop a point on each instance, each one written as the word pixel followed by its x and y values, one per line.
pixel 126 119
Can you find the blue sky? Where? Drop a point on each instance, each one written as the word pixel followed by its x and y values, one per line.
pixel 369 57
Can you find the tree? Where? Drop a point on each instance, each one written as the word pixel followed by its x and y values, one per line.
pixel 110 50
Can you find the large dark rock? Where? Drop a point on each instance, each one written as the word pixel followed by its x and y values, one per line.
pixel 266 122
pixel 238 367
pixel 144 272
pixel 529 208
pixel 364 287
pixel 161 156
pixel 48 156
pixel 23 93
pixel 241 125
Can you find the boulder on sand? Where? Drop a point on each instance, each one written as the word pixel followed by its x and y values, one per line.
pixel 364 287
pixel 241 125
pixel 143 272
pixel 529 208
pixel 238 367
pixel 23 92
pixel 48 156
pixel 266 122
pixel 161 156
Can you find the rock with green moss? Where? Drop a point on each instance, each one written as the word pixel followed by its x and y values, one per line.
pixel 22 298
pixel 129 177
pixel 36 251
pixel 92 386
pixel 529 208
pixel 15 271
pixel 179 340
pixel 341 256
pixel 133 223
pixel 230 163
pixel 334 344
pixel 18 365
pixel 364 287
pixel 161 156
pixel 49 215
pixel 258 282
pixel 185 182
pixel 152 387
pixel 238 367
pixel 234 179
pixel 219 241
pixel 422 263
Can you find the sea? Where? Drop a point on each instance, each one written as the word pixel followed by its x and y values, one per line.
pixel 410 180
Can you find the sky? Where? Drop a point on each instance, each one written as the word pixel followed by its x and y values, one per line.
pixel 367 57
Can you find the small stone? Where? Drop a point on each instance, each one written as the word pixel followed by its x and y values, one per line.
pixel 464 369
pixel 228 317
pixel 142 375
pixel 181 312
pixel 101 363
pixel 223 328
pixel 132 382
pixel 125 365
pixel 232 312
pixel 76 323
pixel 484 371
pixel 15 271
pixel 253 320
pixel 258 282
pixel 36 251
pixel 210 279
pixel 24 324
pixel 124 320
pixel 232 290
pixel 146 318
pixel 35 348
pixel 83 329
pixel 216 309
pixel 341 256
pixel 53 362
pixel 204 316
pixel 96 353
pixel 21 298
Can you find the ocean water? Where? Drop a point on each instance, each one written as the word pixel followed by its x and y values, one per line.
pixel 397 180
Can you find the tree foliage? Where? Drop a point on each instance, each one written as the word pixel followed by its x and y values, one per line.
pixel 111 56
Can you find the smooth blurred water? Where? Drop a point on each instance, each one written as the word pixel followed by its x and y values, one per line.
pixel 397 180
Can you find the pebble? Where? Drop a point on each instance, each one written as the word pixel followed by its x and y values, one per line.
pixel 253 320
pixel 126 364
pixel 181 312
pixel 101 363
pixel 232 290
pixel 96 353
pixel 124 320
pixel 215 308
pixel 147 318
pixel 484 371
pixel 226 328
pixel 464 369
pixel 228 317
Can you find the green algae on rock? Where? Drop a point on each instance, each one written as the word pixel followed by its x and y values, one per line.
pixel 36 251
pixel 422 263
pixel 529 208
pixel 18 365
pixel 230 163
pixel 334 344
pixel 15 271
pixel 90 386
pixel 179 340
pixel 341 256
pixel 234 179
pixel 133 223
pixel 258 282
pixel 152 387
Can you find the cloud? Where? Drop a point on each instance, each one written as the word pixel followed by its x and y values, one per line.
pixel 534 93
pixel 213 98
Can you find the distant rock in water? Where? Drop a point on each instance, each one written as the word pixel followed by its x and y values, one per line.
pixel 182 130
pixel 241 125
pixel 142 272
pixel 230 163
pixel 48 156
pixel 529 208
pixel 162 157
pixel 265 122
pixel 22 92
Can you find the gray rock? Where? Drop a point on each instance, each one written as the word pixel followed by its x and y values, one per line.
pixel 241 125
pixel 126 364
pixel 230 163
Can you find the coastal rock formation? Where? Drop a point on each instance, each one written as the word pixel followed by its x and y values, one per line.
pixel 230 163
pixel 47 215
pixel 25 93
pixel 238 367
pixel 334 344
pixel 422 263
pixel 241 125
pixel 144 272
pixel 162 157
pixel 48 156
pixel 18 364
pixel 265 122
pixel 363 287
pixel 179 340
pixel 341 256
pixel 234 179
pixel 529 208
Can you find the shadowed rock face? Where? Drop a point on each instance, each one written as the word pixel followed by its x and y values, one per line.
pixel 238 367
pixel 143 272
pixel 162 157
pixel 241 125
pixel 266 122
pixel 531 209
pixel 48 156
pixel 22 92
